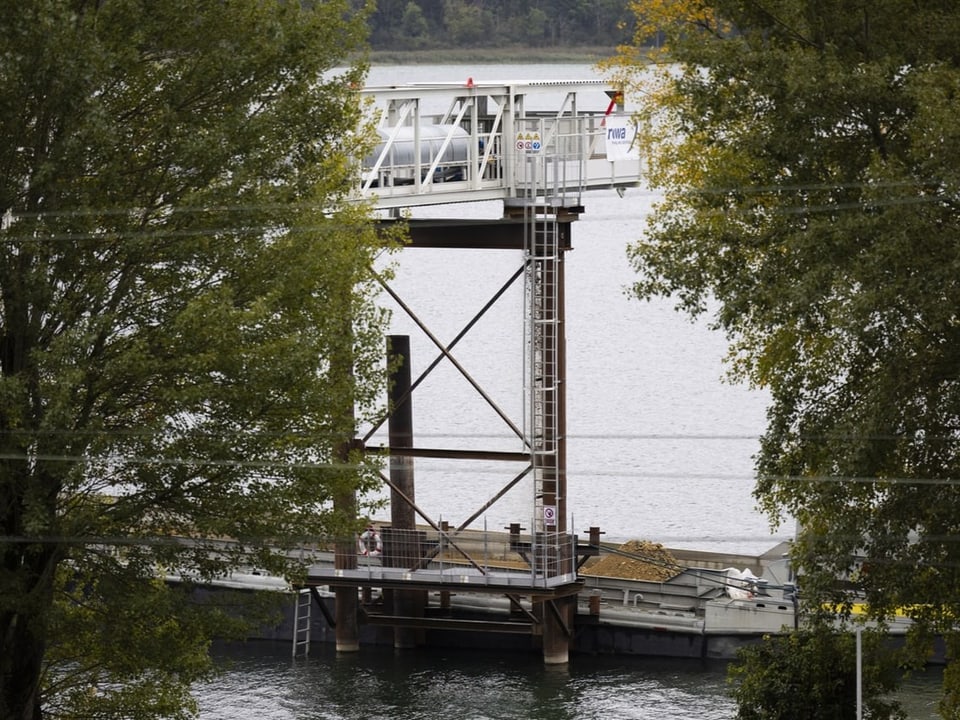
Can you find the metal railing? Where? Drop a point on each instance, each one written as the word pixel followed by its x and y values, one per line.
pixel 480 147
pixel 468 557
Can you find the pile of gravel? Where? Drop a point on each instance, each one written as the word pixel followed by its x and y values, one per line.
pixel 651 561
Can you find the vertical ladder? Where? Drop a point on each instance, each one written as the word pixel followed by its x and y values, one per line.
pixel 303 605
pixel 542 334
pixel 542 256
pixel 549 182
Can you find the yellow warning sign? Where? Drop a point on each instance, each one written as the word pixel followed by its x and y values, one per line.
pixel 529 142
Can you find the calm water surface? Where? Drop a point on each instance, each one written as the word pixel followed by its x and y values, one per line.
pixel 378 684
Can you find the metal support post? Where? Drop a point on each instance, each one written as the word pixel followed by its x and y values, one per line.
pixel 402 549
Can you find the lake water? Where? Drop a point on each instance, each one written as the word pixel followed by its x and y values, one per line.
pixel 659 448
pixel 380 684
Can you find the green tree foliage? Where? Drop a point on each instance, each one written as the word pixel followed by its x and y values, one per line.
pixel 464 22
pixel 812 675
pixel 808 156
pixel 414 24
pixel 185 328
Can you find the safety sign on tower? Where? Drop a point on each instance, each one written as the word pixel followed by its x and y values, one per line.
pixel 528 142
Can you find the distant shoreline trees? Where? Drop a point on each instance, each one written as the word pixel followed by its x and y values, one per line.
pixel 440 24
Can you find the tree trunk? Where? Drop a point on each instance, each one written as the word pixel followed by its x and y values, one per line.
pixel 24 631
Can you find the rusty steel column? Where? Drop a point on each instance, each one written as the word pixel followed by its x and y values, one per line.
pixel 557 623
pixel 558 615
pixel 401 547
pixel 346 632
pixel 400 429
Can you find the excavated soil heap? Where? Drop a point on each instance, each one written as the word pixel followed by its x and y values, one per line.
pixel 653 562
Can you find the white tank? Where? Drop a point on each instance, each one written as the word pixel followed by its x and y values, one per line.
pixel 400 157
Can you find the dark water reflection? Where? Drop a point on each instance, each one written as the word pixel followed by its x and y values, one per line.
pixel 378 683
pixel 263 683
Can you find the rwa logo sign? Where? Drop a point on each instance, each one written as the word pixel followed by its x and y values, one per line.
pixel 621 138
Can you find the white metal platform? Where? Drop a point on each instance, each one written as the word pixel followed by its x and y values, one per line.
pixel 447 143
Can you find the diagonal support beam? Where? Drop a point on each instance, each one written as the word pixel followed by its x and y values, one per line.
pixel 436 361
pixel 409 501
pixel 446 353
